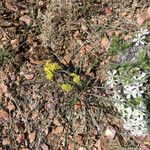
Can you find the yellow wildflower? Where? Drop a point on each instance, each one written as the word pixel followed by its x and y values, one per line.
pixel 49 74
pixel 52 66
pixel 50 69
pixel 76 78
pixel 66 87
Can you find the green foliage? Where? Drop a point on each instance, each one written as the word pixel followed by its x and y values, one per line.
pixel 135 102
pixel 143 59
pixel 117 45
pixel 125 66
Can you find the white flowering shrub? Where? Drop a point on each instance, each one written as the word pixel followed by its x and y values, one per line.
pixel 128 81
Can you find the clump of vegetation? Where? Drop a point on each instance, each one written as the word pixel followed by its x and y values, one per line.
pixel 51 69
pixel 143 60
pixel 117 45
pixel 128 80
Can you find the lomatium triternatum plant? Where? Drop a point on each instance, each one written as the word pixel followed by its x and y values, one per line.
pixel 51 69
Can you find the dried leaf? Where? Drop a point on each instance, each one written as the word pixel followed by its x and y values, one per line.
pixel 10 106
pixel 44 147
pixel 11 5
pixel 118 33
pixel 26 19
pixel 140 19
pixel 127 37
pixel 147 140
pixel 84 27
pixel 97 145
pixel 85 49
pixel 110 33
pixel 2 76
pixel 78 105
pixel 79 139
pixel 56 122
pixel 82 148
pixel 3 88
pixel 6 141
pixel 108 11
pixel 58 130
pixel 29 76
pixel 3 114
pixel 35 114
pixel 14 43
pixel 104 142
pixel 148 11
pixel 124 14
pixel 37 62
pixel 110 133
pixel 32 137
pixel 105 42
pixel 20 138
pixel 129 16
pixel 66 59
pixel 78 37
pixel 143 147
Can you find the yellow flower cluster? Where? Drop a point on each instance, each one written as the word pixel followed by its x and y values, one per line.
pixel 66 87
pixel 76 78
pixel 50 69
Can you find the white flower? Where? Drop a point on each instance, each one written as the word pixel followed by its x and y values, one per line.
pixel 132 91
pixel 127 112
pixel 135 121
pixel 140 78
pixel 144 31
pixel 111 80
pixel 139 39
pixel 117 96
pixel 111 74
pixel 120 107
pixel 139 92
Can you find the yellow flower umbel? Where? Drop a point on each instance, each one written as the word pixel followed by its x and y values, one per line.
pixel 50 69
pixel 66 87
pixel 76 78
